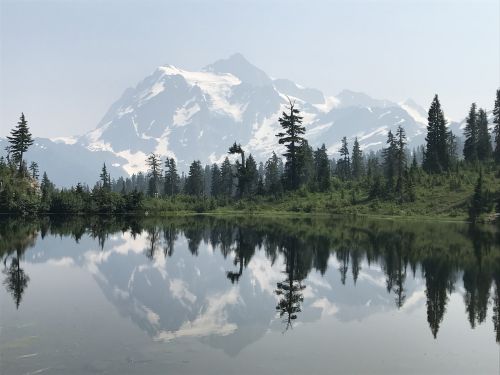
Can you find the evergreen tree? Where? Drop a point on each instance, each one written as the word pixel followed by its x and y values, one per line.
pixel 252 175
pixel 272 179
pixel 452 148
pixel 496 129
pixel 471 135
pixel 344 163
pixel 389 155
pixel 436 153
pixel 305 156
pixel 207 181
pixel 34 170
pixel 400 160
pixel 105 178
pixel 484 150
pixel 358 168
pixel 322 168
pixel 154 173
pixel 194 181
pixel 241 173
pixel 226 178
pixel 20 140
pixel 292 138
pixel 172 179
pixel 477 204
pixel 46 187
pixel 216 183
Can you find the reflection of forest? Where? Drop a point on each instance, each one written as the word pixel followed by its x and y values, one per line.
pixel 441 252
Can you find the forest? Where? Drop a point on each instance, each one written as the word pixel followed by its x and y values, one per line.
pixel 449 176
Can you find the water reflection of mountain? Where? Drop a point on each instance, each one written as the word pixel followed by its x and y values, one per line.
pixel 229 281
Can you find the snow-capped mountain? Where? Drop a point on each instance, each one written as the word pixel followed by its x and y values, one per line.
pixel 192 115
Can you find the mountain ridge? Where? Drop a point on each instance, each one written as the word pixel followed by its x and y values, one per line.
pixel 197 115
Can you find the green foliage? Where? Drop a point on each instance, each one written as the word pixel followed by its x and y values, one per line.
pixel 20 140
pixel 292 138
pixel 436 157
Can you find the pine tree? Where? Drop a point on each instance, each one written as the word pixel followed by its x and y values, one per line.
pixel 358 168
pixel 272 184
pixel 194 181
pixel 484 150
pixel 105 178
pixel 292 138
pixel 154 173
pixel 322 168
pixel 496 129
pixel 252 175
pixel 452 148
pixel 226 178
pixel 400 155
pixel 305 156
pixel 241 173
pixel 344 163
pixel 20 140
pixel 207 181
pixel 46 187
pixel 34 170
pixel 216 188
pixel 471 135
pixel 389 155
pixel 436 153
pixel 477 204
pixel 172 179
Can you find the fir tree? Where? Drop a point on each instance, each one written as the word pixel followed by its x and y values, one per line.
pixel 194 181
pixel 20 140
pixel 252 175
pixel 358 169
pixel 471 135
pixel 436 153
pixel 216 183
pixel 292 138
pixel 496 129
pixel 34 170
pixel 484 150
pixel 105 178
pixel 322 168
pixel 400 155
pixel 389 155
pixel 344 163
pixel 172 179
pixel 477 204
pixel 226 178
pixel 305 156
pixel 241 173
pixel 272 173
pixel 154 173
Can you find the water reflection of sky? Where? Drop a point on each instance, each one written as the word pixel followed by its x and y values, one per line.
pixel 127 309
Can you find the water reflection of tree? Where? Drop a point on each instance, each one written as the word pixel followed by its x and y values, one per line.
pixel 290 290
pixel 442 251
pixel 439 281
pixel 16 279
pixel 245 244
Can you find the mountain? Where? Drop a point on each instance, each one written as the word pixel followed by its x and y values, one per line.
pixel 193 115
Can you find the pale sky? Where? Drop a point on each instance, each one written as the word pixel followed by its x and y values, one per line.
pixel 65 62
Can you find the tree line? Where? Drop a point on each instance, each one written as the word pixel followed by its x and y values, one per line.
pixel 392 174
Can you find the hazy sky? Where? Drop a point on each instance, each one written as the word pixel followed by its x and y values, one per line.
pixel 65 62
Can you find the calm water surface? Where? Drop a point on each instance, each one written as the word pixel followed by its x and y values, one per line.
pixel 201 295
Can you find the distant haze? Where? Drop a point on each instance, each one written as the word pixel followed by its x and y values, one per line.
pixel 65 62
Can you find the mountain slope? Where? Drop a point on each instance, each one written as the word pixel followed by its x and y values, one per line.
pixel 193 115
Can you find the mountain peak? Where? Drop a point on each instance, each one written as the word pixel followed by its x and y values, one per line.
pixel 240 67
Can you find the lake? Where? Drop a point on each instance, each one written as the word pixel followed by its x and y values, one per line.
pixel 248 295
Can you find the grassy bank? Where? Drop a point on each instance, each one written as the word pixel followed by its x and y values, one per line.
pixel 436 197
